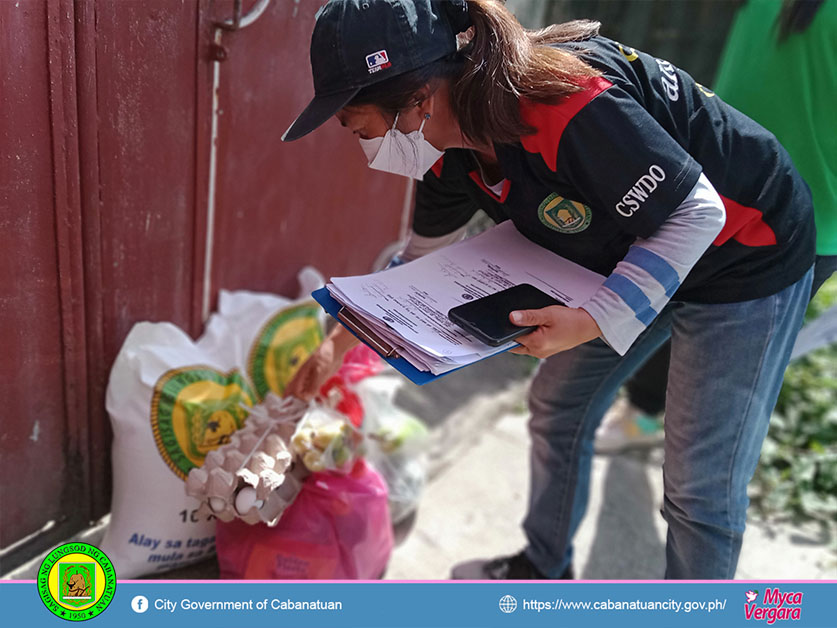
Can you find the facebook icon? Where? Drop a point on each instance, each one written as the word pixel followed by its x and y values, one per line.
pixel 139 604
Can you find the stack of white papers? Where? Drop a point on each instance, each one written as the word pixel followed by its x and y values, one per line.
pixel 407 306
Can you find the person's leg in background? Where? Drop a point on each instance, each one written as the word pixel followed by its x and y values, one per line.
pixel 824 267
pixel 635 418
pixel 727 365
pixel 647 388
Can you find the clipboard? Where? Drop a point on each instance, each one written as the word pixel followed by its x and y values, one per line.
pixel 371 340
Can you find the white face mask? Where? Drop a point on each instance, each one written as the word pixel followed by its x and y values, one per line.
pixel 407 154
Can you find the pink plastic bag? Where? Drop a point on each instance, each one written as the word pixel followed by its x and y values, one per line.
pixel 360 362
pixel 337 528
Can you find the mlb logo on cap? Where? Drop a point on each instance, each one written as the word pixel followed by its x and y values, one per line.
pixel 377 61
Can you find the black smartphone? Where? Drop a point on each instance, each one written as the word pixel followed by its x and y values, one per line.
pixel 487 318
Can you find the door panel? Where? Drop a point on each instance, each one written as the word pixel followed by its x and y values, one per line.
pixel 146 93
pixel 280 205
pixel 32 423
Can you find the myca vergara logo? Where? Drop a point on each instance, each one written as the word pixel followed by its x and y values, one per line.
pixel 282 345
pixel 195 410
pixel 563 215
pixel 76 581
pixel 774 605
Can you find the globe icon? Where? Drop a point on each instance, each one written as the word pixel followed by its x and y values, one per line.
pixel 508 604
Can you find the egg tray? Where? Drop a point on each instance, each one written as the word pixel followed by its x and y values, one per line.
pixel 253 477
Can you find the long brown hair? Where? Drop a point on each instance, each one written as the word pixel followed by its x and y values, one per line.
pixel 502 63
pixel 795 17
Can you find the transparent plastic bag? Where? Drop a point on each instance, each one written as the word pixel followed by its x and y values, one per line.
pixel 326 440
pixel 395 444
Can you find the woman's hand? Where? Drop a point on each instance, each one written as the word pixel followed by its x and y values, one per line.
pixel 559 328
pixel 321 365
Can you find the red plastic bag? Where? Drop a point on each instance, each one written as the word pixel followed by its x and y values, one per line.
pixel 336 394
pixel 337 528
pixel 360 362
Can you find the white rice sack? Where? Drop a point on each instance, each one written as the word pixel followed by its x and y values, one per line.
pixel 272 336
pixel 171 401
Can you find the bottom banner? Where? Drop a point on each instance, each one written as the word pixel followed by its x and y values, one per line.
pixel 86 595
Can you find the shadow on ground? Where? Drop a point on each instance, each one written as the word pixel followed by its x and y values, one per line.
pixel 626 542
pixel 435 402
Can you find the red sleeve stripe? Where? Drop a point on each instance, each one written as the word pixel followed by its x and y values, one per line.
pixel 745 225
pixel 437 167
pixel 551 120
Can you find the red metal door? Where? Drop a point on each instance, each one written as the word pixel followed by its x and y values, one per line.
pixel 43 440
pixel 110 213
pixel 281 206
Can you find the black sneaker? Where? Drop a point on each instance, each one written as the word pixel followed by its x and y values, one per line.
pixel 516 567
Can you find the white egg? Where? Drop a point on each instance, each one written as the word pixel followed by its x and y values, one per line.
pixel 246 499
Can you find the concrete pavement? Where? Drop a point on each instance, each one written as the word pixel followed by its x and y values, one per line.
pixel 474 507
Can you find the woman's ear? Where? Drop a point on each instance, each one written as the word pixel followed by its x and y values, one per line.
pixel 425 100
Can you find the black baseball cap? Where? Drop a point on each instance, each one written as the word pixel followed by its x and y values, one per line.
pixel 357 43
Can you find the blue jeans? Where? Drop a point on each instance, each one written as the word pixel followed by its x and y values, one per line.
pixel 727 364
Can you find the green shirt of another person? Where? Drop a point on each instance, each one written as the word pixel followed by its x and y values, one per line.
pixel 788 84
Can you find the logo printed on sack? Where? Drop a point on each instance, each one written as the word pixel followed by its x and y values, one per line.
pixel 195 410
pixel 377 61
pixel 640 191
pixel 282 345
pixel 774 606
pixel 76 581
pixel 563 215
